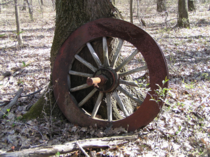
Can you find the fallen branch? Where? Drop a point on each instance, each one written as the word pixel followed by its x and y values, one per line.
pixel 107 142
pixel 13 102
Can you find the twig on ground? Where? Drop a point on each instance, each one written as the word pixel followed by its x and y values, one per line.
pixel 32 93
pixel 13 102
pixel 4 103
pixel 18 72
pixel 204 99
pixel 82 149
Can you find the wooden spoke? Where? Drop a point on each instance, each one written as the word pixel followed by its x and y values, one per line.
pixel 133 71
pixel 120 103
pixel 109 106
pixel 93 53
pixel 87 64
pixel 87 97
pixel 79 87
pixel 126 60
pixel 129 95
pixel 98 102
pixel 80 73
pixel 128 83
pixel 105 52
pixel 117 52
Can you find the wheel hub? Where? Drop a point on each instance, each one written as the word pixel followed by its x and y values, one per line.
pixel 104 79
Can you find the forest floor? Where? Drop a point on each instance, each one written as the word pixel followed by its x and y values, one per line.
pixel 181 129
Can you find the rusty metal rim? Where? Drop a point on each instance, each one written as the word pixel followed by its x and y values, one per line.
pixel 107 27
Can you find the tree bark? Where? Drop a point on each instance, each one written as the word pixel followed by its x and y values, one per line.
pixel 18 30
pixel 42 3
pixel 161 5
pixel 183 20
pixel 191 5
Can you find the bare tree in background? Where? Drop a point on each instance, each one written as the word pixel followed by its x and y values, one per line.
pixel 18 30
pixel 41 6
pixel 138 7
pixel 30 9
pixel 161 5
pixel 24 5
pixel 183 20
pixel 191 5
pixel 42 3
pixel 131 11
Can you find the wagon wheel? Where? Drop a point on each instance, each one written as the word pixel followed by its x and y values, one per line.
pixel 104 79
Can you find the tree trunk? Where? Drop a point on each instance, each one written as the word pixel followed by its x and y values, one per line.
pixel 183 20
pixel 137 8
pixel 42 3
pixel 161 5
pixel 71 14
pixel 41 7
pixel 191 5
pixel 131 11
pixel 18 30
pixel 24 5
pixel 30 9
